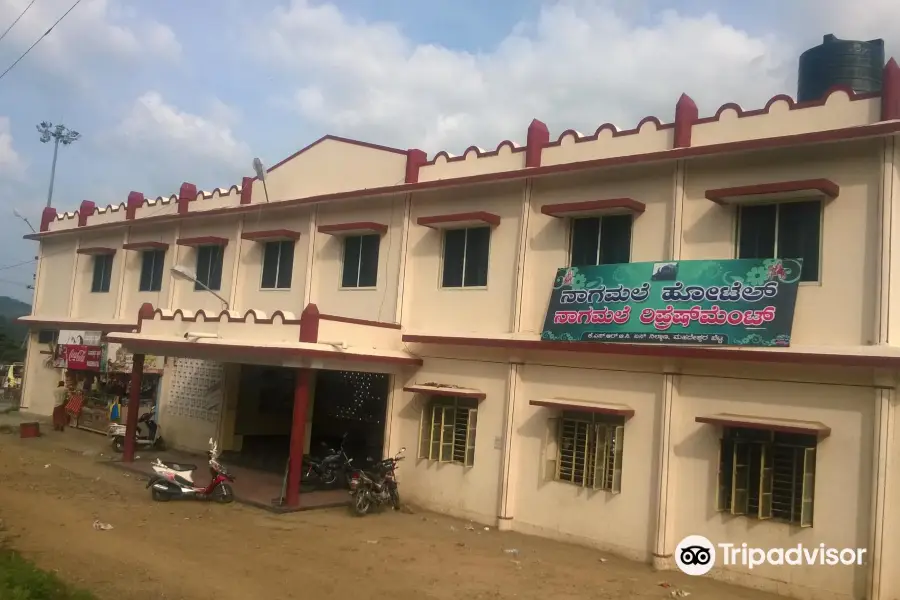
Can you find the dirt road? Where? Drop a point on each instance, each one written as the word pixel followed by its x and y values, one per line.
pixel 53 488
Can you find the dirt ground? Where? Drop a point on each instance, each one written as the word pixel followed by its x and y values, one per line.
pixel 52 490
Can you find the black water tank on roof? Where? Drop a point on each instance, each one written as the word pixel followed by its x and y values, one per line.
pixel 857 65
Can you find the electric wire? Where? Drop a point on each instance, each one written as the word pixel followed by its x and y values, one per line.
pixel 46 33
pixel 22 14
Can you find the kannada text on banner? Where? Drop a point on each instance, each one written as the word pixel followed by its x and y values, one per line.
pixel 741 302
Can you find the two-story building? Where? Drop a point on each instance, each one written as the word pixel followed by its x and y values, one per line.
pixel 411 293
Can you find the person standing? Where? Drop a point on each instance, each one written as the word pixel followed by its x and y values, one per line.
pixel 59 407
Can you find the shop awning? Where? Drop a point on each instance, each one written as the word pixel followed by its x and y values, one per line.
pixel 271 235
pixel 820 430
pixel 460 220
pixel 594 208
pixel 145 246
pixel 603 408
pixel 354 228
pixel 778 190
pixel 437 389
pixel 275 353
pixel 205 240
pixel 96 251
pixel 50 322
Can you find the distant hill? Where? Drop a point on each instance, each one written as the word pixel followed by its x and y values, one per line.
pixel 10 308
pixel 12 334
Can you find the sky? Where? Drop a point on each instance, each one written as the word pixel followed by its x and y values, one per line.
pixel 171 91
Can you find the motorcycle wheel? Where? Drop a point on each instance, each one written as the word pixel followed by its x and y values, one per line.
pixel 159 496
pixel 223 494
pixel 118 444
pixel 361 504
pixel 328 478
pixel 395 498
pixel 159 444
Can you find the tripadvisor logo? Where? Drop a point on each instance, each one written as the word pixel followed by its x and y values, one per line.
pixel 696 555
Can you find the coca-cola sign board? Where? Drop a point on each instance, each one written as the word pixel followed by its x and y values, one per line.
pixel 83 358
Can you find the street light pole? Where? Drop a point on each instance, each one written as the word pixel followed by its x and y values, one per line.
pixel 60 134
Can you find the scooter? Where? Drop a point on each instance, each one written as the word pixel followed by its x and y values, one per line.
pixel 173 481
pixel 147 434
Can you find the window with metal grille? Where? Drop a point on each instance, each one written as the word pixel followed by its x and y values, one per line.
pixel 785 230
pixel 278 265
pixel 102 273
pixel 447 433
pixel 586 449
pixel 152 263
pixel 360 261
pixel 209 267
pixel 601 240
pixel 48 336
pixel 466 256
pixel 767 475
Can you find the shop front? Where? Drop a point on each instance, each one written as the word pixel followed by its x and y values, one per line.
pixel 97 374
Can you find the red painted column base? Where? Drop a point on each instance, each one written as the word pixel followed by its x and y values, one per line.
pixel 298 437
pixel 134 407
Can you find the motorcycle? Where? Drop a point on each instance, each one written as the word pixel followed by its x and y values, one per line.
pixel 147 435
pixel 176 480
pixel 327 470
pixel 376 486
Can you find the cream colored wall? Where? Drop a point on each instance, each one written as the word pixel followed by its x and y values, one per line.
pixel 132 298
pixel 850 248
pixel 332 166
pixel 471 493
pixel 843 474
pixel 39 380
pixel 249 294
pixel 375 304
pixel 623 523
pixel 489 310
pixel 185 295
pixel 549 238
pixel 97 305
pixel 54 285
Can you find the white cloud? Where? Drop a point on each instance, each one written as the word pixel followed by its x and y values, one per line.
pixel 579 64
pixel 95 29
pixel 151 121
pixel 163 145
pixel 11 164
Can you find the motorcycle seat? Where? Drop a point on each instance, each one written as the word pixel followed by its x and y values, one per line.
pixel 180 467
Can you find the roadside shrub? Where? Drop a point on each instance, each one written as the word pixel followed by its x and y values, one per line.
pixel 21 580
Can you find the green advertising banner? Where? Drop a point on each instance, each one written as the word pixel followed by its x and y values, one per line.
pixel 745 302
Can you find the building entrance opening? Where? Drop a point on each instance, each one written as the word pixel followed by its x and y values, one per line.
pixel 343 402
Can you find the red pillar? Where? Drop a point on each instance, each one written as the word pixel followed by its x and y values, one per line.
pixel 298 435
pixel 134 407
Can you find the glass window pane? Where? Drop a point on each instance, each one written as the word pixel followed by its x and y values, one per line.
pixel 368 263
pixel 97 281
pixel 585 241
pixel 352 249
pixel 454 253
pixel 799 225
pixel 285 265
pixel 159 262
pixel 270 264
pixel 203 256
pixel 478 241
pixel 615 239
pixel 756 233
pixel 146 283
pixel 215 267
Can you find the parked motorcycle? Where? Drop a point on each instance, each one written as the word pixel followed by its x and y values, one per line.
pixel 172 481
pixel 376 486
pixel 148 435
pixel 329 470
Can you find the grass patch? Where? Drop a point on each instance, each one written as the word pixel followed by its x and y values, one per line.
pixel 21 580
